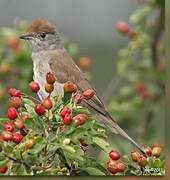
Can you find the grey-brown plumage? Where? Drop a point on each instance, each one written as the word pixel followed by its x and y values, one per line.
pixel 49 54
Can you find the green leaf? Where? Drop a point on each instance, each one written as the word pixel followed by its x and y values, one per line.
pixel 30 110
pixel 101 143
pixel 28 101
pixel 158 163
pixel 66 98
pixel 20 169
pixel 3 163
pixel 80 110
pixel 93 171
pixel 68 148
pixel 39 145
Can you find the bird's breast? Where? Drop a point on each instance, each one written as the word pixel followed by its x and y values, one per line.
pixel 40 69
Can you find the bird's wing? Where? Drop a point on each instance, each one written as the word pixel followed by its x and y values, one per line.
pixel 64 69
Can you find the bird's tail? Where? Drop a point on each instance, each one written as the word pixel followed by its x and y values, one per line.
pixel 115 128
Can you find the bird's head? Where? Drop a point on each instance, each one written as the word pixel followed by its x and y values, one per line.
pixel 42 35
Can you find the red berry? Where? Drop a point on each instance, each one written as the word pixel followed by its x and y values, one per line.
pixel 14 92
pixel 50 78
pixel 12 113
pixel 70 87
pixel 135 156
pixel 122 28
pixel 88 94
pixel 34 86
pixel 67 119
pixel 3 169
pixel 142 161
pixel 148 151
pixel 121 167
pixel 49 87
pixel 47 103
pixel 80 119
pixel 140 88
pixel 114 155
pixel 39 109
pixel 8 126
pixel 16 138
pixel 7 136
pixel 64 111
pixel 15 102
pixel 112 166
pixel 78 98
pixel 19 124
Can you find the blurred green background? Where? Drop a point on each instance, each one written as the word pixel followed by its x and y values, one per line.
pixel 129 73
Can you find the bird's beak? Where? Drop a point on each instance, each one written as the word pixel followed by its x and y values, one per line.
pixel 26 36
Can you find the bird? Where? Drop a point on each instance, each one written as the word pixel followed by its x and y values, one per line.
pixel 50 55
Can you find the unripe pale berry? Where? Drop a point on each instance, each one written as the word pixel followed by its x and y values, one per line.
pixel 7 136
pixel 70 87
pixel 80 119
pixel 34 86
pixel 47 103
pixel 156 151
pixel 12 113
pixel 39 109
pixel 29 143
pixel 15 102
pixel 50 78
pixel 49 87
pixel 19 124
pixel 135 156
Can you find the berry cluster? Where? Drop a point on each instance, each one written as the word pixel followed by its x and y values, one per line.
pixel 113 165
pixel 142 160
pixel 124 29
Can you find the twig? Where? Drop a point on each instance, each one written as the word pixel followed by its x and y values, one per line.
pixel 30 97
pixel 17 160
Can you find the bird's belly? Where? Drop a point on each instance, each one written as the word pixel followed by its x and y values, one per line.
pixel 40 70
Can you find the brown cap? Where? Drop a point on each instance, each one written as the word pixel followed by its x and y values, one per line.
pixel 41 25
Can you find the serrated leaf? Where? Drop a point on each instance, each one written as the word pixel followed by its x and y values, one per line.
pixel 101 143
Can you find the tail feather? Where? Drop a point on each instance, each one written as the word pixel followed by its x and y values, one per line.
pixel 118 130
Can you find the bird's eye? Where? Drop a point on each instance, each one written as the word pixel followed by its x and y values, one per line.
pixel 42 35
